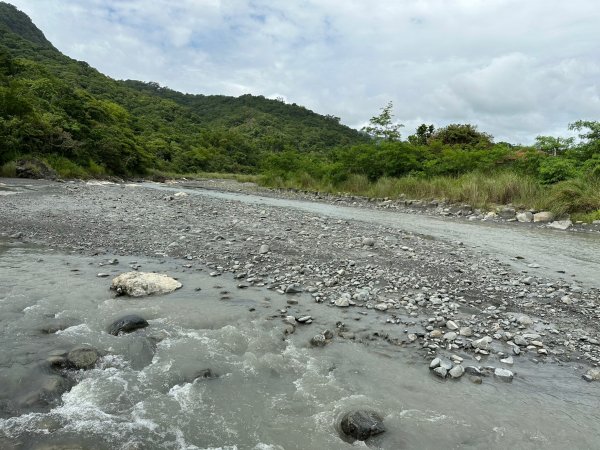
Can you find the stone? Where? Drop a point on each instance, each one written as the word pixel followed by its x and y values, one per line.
pixel 127 324
pixel 180 194
pixel 507 212
pixel 560 224
pixel 451 325
pixel 466 331
pixel 450 336
pixel 503 374
pixel 204 374
pixel 440 372
pixel 382 306
pixel 293 289
pixel 369 242
pixel 483 343
pixel 457 371
pixel 362 424
pixel 264 249
pixel 509 360
pixel 342 302
pixel 472 370
pixel 318 341
pixel 524 320
pixel 543 216
pixel 592 374
pixel 520 340
pixel 526 216
pixel 82 358
pixel 140 284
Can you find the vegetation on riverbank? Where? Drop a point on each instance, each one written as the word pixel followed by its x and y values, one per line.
pixel 62 115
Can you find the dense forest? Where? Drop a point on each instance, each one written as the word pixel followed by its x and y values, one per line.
pixel 65 114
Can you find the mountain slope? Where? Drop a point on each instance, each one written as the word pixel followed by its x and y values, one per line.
pixel 79 119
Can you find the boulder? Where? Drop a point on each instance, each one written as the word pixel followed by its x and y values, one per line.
pixel 127 324
pixel 139 284
pixel 35 169
pixel 526 216
pixel 560 224
pixel 362 424
pixel 507 212
pixel 82 358
pixel 592 374
pixel 543 216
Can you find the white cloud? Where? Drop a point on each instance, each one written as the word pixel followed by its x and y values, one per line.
pixel 516 69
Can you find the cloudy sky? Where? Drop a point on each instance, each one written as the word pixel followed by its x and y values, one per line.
pixel 515 68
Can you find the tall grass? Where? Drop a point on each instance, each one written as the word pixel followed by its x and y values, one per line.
pixel 8 170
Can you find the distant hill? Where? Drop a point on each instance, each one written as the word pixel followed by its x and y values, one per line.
pixel 78 119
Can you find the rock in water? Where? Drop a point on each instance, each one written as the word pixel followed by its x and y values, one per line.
pixel 139 284
pixel 362 425
pixel 127 324
pixel 82 358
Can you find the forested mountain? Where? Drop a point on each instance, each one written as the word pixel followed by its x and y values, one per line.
pixel 73 116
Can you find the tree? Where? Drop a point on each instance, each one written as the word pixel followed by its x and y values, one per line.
pixel 589 133
pixel 422 135
pixel 463 135
pixel 382 128
pixel 553 145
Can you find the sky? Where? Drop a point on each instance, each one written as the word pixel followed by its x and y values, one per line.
pixel 515 68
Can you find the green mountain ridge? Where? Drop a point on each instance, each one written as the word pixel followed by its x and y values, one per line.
pixel 74 116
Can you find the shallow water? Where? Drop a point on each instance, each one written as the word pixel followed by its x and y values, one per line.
pixel 270 394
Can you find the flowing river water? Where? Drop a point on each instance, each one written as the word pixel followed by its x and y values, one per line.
pixel 270 392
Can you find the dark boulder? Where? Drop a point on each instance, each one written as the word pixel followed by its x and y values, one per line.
pixel 127 324
pixel 35 169
pixel 361 424
pixel 82 358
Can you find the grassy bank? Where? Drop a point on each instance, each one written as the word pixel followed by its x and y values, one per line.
pixel 577 197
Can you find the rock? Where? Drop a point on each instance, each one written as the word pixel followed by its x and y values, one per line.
pixel 140 352
pixel 475 379
pixel 127 324
pixel 328 334
pixel 472 370
pixel 304 319
pixel 362 424
pixel 543 216
pixel 507 212
pixel 560 224
pixel 82 358
pixel 451 325
pixel 180 194
pixel 520 340
pixel 290 320
pixel 264 249
pixel 17 235
pixel 525 217
pixel 509 360
pixel 139 284
pixel 592 375
pixel 342 302
pixel 524 320
pixel 369 242
pixel 34 168
pixel 382 306
pixel 441 372
pixel 204 374
pixel 503 374
pixel 466 331
pixel 457 371
pixel 293 289
pixel 435 363
pixel 318 341
pixel 483 343
pixel 103 275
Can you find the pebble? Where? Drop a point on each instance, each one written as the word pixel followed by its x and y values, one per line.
pixel 457 371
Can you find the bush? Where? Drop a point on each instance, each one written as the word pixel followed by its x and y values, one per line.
pixel 553 170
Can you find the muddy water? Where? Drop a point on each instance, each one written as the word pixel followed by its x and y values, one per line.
pixel 576 254
pixel 270 393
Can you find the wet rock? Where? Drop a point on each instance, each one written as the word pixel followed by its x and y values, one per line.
pixel 127 324
pixel 509 360
pixel 140 352
pixel 294 289
pixel 503 374
pixel 82 358
pixel 592 375
pixel 361 425
pixel 560 224
pixel 318 341
pixel 204 374
pixel 472 370
pixel 139 284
